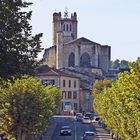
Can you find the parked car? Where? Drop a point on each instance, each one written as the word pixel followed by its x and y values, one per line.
pixel 80 118
pixel 77 114
pixel 90 115
pixel 96 119
pixel 86 120
pixel 88 135
pixel 65 130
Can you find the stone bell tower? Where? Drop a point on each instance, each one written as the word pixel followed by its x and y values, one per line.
pixel 66 25
pixel 64 31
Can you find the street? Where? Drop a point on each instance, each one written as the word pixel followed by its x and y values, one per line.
pixel 78 128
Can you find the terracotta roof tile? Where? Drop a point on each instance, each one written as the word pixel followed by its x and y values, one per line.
pixel 55 72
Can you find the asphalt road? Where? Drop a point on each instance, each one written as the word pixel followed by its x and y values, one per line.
pixel 78 128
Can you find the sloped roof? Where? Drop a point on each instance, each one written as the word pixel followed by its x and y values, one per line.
pixel 81 40
pixel 42 69
pixel 55 72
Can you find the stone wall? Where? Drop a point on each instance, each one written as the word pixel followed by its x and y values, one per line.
pixel 104 58
pixel 50 57
pixel 87 79
pixel 67 25
pixel 78 51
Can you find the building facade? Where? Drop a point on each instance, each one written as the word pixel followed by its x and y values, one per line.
pixel 75 56
pixel 69 89
pixel 70 51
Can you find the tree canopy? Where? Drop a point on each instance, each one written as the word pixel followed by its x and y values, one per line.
pixel 18 47
pixel 119 105
pixel 119 64
pixel 100 85
pixel 26 107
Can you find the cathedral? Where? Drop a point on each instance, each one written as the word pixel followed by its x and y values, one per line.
pixel 69 51
pixel 78 57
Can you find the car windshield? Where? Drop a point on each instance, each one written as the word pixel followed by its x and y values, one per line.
pixel 78 114
pixel 90 115
pixel 89 133
pixel 65 127
pixel 86 118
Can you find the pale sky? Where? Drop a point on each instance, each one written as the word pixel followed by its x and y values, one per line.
pixel 108 22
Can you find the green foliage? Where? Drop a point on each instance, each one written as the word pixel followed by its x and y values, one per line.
pixel 100 85
pixel 26 106
pixel 115 64
pixel 123 64
pixel 18 48
pixel 119 105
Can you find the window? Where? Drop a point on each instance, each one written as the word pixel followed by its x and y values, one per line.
pixel 67 105
pixel 69 95
pixel 71 60
pixel 74 83
pixel 64 27
pixel 69 83
pixel 74 95
pixel 67 27
pixel 75 106
pixel 70 27
pixel 48 82
pixel 64 83
pixel 64 94
pixel 85 60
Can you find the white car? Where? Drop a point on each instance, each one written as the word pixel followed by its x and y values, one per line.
pixel 65 130
pixel 88 135
pixel 86 120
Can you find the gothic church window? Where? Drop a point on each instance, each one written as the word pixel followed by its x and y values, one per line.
pixel 67 27
pixel 64 27
pixel 71 60
pixel 70 27
pixel 85 60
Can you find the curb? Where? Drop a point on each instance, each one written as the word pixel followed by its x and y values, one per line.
pixel 101 133
pixel 50 131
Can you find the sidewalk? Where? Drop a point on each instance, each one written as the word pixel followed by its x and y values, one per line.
pixel 50 131
pixel 101 134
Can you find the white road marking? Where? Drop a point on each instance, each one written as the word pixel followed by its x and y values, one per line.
pixel 75 138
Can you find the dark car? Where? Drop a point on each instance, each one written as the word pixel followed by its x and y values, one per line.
pixel 80 118
pixel 90 115
pixel 65 130
pixel 78 114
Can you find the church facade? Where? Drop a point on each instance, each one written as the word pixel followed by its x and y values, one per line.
pixel 70 51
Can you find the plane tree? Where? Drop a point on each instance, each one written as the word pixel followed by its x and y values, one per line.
pixel 26 106
pixel 119 105
pixel 100 85
pixel 18 47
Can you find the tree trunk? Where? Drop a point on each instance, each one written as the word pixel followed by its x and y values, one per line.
pixel 19 134
pixel 23 136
